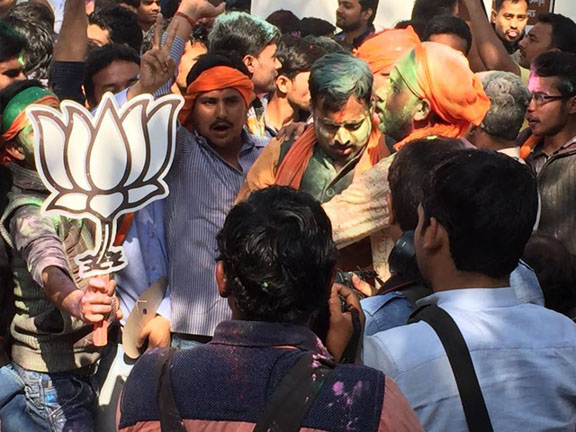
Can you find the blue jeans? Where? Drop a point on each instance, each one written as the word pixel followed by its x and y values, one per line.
pixel 60 402
pixel 13 414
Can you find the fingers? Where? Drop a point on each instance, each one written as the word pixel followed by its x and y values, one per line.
pixel 363 286
pixel 348 295
pixel 144 334
pixel 158 28
pixel 98 285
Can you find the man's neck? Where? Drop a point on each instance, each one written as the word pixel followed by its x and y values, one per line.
pixel 351 36
pixel 495 143
pixel 453 280
pixel 279 113
pixel 553 143
pixel 229 153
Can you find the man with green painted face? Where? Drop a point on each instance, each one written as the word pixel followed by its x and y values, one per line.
pixel 341 144
pixel 432 91
pixel 53 352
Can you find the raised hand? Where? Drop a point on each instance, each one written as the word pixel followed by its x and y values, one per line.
pixel 200 9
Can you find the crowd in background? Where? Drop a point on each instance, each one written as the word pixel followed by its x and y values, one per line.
pixel 365 230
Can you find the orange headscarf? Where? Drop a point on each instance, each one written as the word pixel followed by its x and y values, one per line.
pixel 443 77
pixel 529 145
pixel 294 164
pixel 384 49
pixel 216 78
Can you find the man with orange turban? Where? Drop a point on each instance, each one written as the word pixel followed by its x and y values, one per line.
pixel 432 91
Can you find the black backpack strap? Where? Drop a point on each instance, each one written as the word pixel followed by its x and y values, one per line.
pixel 349 354
pixel 170 419
pixel 290 402
pixel 475 410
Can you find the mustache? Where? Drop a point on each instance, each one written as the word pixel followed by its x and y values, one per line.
pixel 221 122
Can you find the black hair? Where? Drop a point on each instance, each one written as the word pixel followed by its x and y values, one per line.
pixel 243 33
pixel 9 92
pixel 39 43
pixel 220 58
pixel 498 3
pixel 487 202
pixel 424 10
pixel 278 255
pixel 102 57
pixel 121 24
pixel 11 43
pixel 563 31
pixel 316 27
pixel 132 3
pixel 408 172
pixel 555 268
pixel 296 55
pixel 286 21
pixel 36 12
pixel 449 24
pixel 327 44
pixel 370 4
pixel 558 64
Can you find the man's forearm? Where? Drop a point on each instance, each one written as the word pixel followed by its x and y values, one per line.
pixel 62 291
pixel 72 43
pixel 489 46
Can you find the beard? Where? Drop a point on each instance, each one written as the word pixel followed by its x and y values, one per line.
pixel 395 124
pixel 348 26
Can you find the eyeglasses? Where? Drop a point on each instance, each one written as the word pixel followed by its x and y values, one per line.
pixel 542 99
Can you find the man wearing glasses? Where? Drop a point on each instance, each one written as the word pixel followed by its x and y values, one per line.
pixel 551 148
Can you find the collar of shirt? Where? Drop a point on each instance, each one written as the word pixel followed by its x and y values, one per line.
pixel 357 41
pixel 248 142
pixel 539 149
pixel 257 334
pixel 472 298
pixel 26 179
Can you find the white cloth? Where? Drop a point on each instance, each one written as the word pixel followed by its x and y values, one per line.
pixel 524 356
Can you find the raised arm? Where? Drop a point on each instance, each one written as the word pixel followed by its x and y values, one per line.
pixel 487 44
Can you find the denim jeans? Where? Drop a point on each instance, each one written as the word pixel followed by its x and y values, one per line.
pixel 13 414
pixel 60 402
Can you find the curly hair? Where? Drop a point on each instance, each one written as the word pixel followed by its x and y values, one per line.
pixel 278 255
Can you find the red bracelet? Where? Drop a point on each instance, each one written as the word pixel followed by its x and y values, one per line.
pixel 183 15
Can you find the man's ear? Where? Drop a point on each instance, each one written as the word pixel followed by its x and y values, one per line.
pixel 250 63
pixel 366 14
pixel 14 150
pixel 572 105
pixel 434 235
pixel 221 281
pixel 283 84
pixel 423 111
pixel 493 16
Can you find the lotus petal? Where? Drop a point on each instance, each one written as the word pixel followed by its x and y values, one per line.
pixel 162 149
pixel 133 124
pixel 139 194
pixel 109 151
pixel 76 202
pixel 78 144
pixel 49 142
pixel 105 205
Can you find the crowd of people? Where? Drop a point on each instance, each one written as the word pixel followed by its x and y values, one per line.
pixel 365 230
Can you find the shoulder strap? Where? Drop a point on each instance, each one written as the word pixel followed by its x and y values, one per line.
pixel 170 419
pixel 475 410
pixel 290 402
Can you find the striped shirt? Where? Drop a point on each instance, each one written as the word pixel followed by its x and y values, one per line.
pixel 203 188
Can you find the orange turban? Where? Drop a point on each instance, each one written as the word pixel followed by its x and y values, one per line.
pixel 216 78
pixel 384 49
pixel 442 76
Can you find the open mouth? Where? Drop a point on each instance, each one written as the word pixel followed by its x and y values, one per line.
pixel 221 127
pixel 512 34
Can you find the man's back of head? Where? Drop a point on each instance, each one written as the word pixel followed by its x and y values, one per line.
pixel 449 30
pixel 277 256
pixel 115 24
pixel 509 98
pixel 286 21
pixel 424 10
pixel 487 204
pixel 408 173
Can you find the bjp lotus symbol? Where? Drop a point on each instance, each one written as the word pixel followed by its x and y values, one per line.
pixel 105 165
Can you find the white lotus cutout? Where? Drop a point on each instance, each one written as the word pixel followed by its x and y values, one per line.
pixel 105 165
